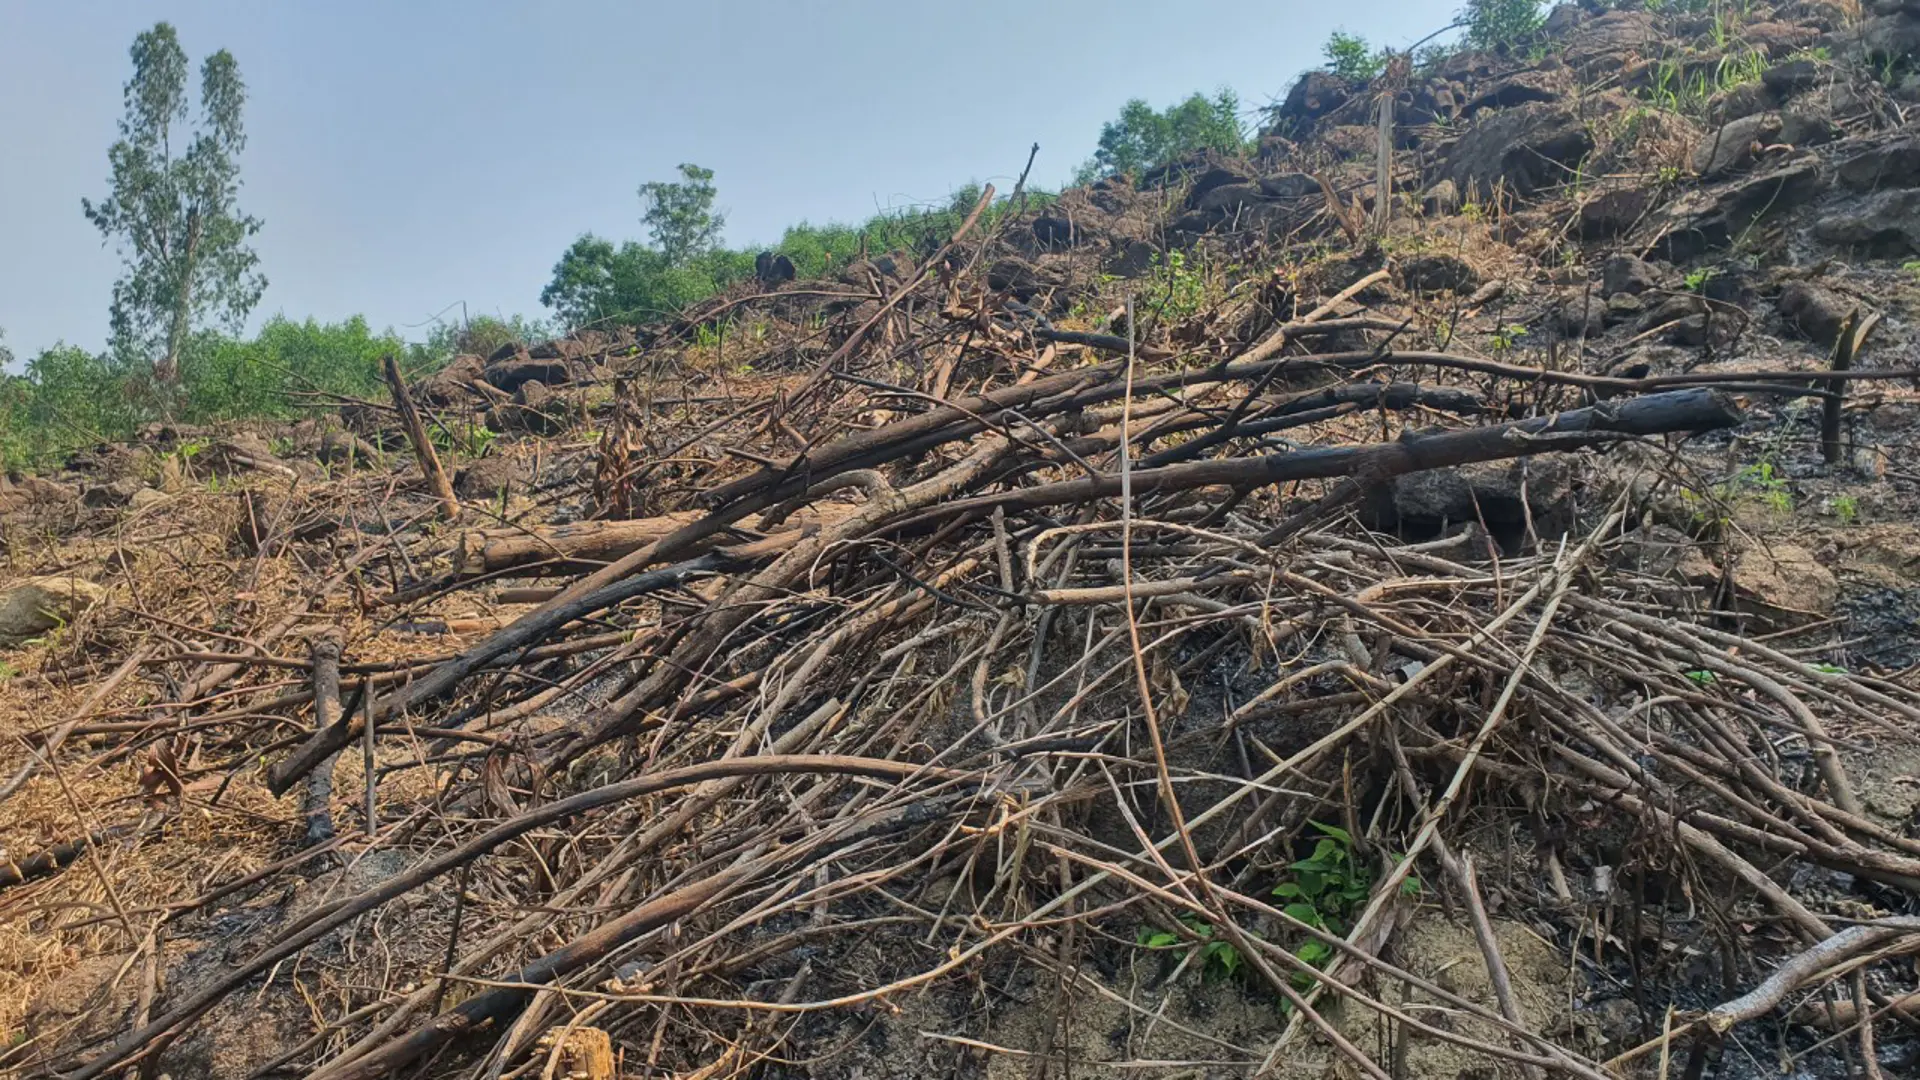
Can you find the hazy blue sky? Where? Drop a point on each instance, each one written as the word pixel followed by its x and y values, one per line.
pixel 407 156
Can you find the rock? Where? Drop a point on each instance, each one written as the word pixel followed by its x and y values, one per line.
pixel 1807 127
pixel 1815 311
pixel 1624 307
pixel 1616 211
pixel 510 375
pixel 1314 96
pixel 1733 145
pixel 1742 101
pixel 1441 199
pixel 1520 88
pixel 1528 148
pixel 1892 164
pixel 453 384
pixel 1226 199
pixel 346 448
pixel 31 606
pixel 1056 233
pixel 1885 223
pixel 1578 314
pixel 1489 491
pixel 1439 272
pixel 1562 19
pixel 1290 186
pixel 1886 39
pixel 34 491
pixel 489 477
pixel 1708 218
pixel 773 269
pixel 1627 274
pixel 1606 37
pixel 118 492
pixel 1692 330
pixel 1212 178
pixel 146 497
pixel 1783 584
pixel 1790 77
pixel 1777 38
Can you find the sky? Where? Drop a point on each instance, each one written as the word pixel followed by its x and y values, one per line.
pixel 426 159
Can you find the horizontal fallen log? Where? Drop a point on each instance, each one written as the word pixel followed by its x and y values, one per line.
pixel 1656 414
pixel 566 547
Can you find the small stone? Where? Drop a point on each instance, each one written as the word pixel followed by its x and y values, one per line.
pixel 1626 274
pixel 146 497
pixel 32 606
pixel 113 493
pixel 1815 311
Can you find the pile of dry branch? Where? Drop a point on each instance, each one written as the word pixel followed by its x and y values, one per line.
pixel 914 705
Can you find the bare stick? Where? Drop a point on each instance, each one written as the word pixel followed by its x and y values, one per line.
pixel 326 704
pixel 417 435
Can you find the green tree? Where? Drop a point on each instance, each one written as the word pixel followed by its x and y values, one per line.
pixel 1349 57
pixel 680 216
pixel 1142 138
pixel 1494 24
pixel 171 208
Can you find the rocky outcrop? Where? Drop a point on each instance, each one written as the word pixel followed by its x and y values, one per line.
pixel 32 606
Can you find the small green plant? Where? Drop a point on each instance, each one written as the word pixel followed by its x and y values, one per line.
pixel 1326 889
pixel 1828 669
pixel 1179 290
pixel 1703 677
pixel 1506 337
pixel 1697 279
pixel 1218 958
pixel 1772 489
pixel 1912 268
pixel 1846 508
pixel 469 439
pixel 1349 57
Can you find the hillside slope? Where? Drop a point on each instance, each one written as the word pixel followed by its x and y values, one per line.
pixel 1416 601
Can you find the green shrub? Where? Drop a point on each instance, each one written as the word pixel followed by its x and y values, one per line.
pixel 1496 24
pixel 1349 57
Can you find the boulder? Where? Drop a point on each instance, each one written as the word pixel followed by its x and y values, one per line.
pixel 1742 101
pixel 1226 199
pixel 1791 76
pixel 1777 38
pixel 1709 217
pixel 1734 145
pixel 1616 211
pixel 1439 272
pixel 118 492
pixel 489 477
pixel 1524 150
pixel 1814 310
pixel 1520 88
pixel 1314 96
pixel 1604 39
pixel 1628 274
pixel 1056 233
pixel 1884 223
pixel 772 268
pixel 1891 164
pixel 1290 186
pixel 1503 494
pixel 509 375
pixel 32 606
pixel 1212 178
pixel 1783 585
pixel 1441 199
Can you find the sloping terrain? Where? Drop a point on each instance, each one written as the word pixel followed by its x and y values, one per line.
pixel 1435 599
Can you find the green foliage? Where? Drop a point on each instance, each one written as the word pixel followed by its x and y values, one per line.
pixel 1761 479
pixel 171 206
pixel 1508 336
pixel 1141 138
pixel 680 216
pixel 1697 279
pixel 1498 24
pixel 595 282
pixel 68 398
pixel 1218 957
pixel 1350 57
pixel 1326 890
